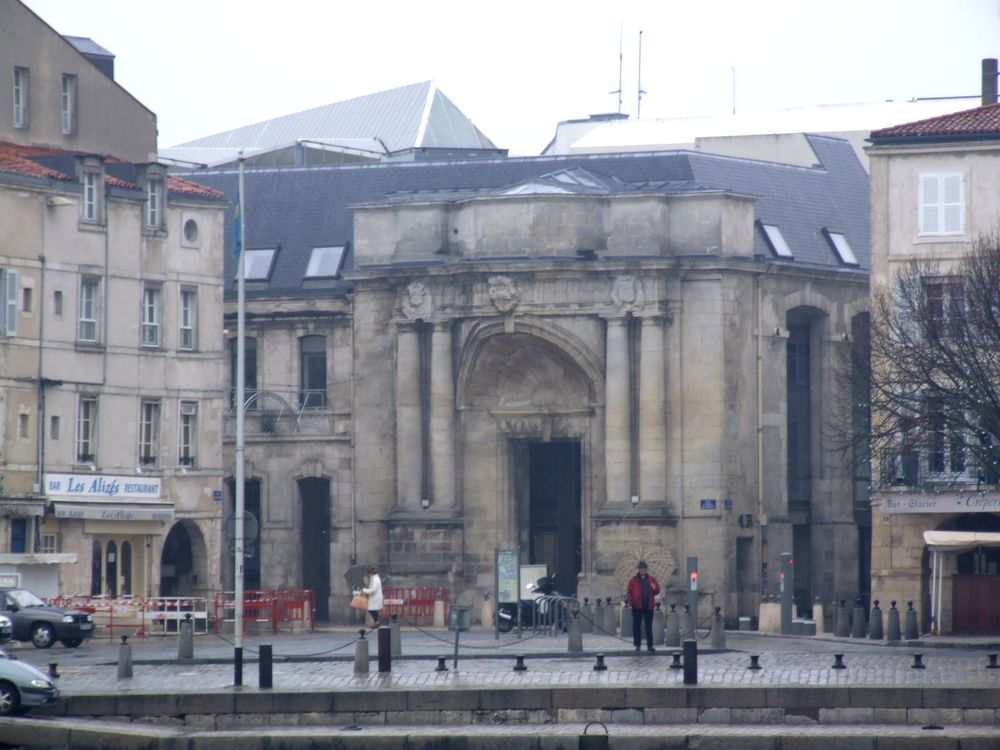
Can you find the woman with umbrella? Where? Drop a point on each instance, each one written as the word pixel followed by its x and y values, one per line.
pixel 373 590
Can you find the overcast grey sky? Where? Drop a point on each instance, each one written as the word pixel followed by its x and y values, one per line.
pixel 516 67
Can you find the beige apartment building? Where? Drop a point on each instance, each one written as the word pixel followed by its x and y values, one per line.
pixel 111 347
pixel 936 515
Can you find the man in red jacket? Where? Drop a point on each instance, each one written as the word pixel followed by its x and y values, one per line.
pixel 641 594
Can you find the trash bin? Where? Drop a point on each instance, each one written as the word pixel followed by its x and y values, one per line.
pixel 459 617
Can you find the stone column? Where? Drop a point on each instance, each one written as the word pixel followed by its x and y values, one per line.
pixel 617 412
pixel 652 416
pixel 409 425
pixel 442 437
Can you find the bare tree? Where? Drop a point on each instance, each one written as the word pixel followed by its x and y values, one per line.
pixel 934 378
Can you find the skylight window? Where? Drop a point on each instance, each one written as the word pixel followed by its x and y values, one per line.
pixel 325 262
pixel 776 240
pixel 257 264
pixel 841 247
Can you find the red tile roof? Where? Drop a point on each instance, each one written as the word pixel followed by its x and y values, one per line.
pixel 17 160
pixel 20 160
pixel 972 123
pixel 186 187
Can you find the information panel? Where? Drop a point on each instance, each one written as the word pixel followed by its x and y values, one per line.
pixel 508 580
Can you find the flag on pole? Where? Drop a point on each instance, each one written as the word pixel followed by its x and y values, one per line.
pixel 237 228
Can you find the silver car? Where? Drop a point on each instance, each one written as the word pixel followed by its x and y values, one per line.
pixel 23 687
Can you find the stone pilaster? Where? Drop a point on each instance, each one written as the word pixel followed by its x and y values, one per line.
pixel 442 417
pixel 409 424
pixel 652 416
pixel 617 412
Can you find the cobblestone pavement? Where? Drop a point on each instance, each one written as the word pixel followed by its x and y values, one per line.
pixel 325 661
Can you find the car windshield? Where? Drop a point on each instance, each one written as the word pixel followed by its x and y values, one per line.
pixel 24 598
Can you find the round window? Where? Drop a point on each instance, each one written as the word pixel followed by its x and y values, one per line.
pixel 191 231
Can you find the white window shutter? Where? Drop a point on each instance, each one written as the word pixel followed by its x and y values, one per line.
pixel 10 302
pixel 954 209
pixel 929 204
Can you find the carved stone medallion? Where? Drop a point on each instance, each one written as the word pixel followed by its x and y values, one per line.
pixel 417 302
pixel 503 293
pixel 626 293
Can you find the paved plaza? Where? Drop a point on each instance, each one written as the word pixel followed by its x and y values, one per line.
pixel 321 664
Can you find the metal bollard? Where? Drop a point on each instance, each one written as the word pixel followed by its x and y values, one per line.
pixel 124 659
pixel 600 666
pixel 918 662
pixel 395 642
pixel 718 629
pixel 598 614
pixel 626 621
pixel 838 662
pixel 384 649
pixel 519 663
pixel 673 634
pixel 675 660
pixel 185 644
pixel 361 654
pixel 691 662
pixel 54 668
pixel 610 618
pixel 658 625
pixel 754 662
pixel 892 626
pixel 586 617
pixel 441 667
pixel 574 636
pixel 842 623
pixel 264 671
pixel 991 662
pixel 875 623
pixel 910 628
pixel 687 624
pixel 858 628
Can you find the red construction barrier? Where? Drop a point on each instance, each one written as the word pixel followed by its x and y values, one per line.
pixel 415 603
pixel 267 607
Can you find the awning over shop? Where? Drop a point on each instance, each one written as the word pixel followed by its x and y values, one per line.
pixel 941 543
pixel 163 512
pixel 960 541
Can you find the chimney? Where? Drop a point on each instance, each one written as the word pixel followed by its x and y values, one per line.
pixel 989 81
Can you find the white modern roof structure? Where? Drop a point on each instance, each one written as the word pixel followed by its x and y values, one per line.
pixel 367 128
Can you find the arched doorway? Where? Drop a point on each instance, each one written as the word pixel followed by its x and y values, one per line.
pixel 183 562
pixel 538 400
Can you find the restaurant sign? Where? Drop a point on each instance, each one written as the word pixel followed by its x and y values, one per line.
pixel 942 502
pixel 104 486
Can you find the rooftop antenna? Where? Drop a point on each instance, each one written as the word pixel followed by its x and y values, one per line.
pixel 638 106
pixel 734 87
pixel 620 59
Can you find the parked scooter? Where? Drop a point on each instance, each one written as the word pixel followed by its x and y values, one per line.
pixel 532 611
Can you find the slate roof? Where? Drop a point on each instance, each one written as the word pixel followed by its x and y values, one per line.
pixel 414 116
pixel 295 210
pixel 971 124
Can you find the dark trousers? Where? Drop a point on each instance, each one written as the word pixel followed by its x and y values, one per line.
pixel 642 617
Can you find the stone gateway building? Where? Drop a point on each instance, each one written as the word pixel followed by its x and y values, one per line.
pixel 587 357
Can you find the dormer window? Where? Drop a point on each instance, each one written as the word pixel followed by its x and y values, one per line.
pixel 776 241
pixel 93 187
pixel 257 264
pixel 325 262
pixel 154 201
pixel 841 247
